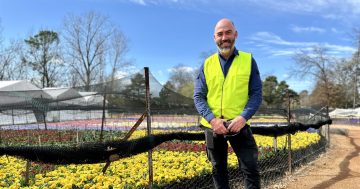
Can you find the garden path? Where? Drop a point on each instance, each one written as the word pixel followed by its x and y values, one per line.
pixel 338 168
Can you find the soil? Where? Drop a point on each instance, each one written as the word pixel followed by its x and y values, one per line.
pixel 338 168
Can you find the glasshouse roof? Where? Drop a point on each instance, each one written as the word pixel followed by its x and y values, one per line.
pixel 20 92
pixel 62 93
pixel 18 85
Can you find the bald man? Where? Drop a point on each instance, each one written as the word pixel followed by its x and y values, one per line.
pixel 227 94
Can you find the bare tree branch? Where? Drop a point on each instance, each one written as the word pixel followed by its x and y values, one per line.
pixel 86 37
pixel 94 44
pixel 316 64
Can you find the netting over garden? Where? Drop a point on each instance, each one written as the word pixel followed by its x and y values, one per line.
pixel 23 103
pixel 109 111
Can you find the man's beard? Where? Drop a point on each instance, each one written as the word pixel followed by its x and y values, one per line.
pixel 226 50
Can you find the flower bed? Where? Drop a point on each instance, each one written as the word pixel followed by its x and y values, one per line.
pixel 173 162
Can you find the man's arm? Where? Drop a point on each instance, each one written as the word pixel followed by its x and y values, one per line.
pixel 200 99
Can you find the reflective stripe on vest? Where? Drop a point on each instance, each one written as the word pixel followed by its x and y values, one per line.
pixel 227 97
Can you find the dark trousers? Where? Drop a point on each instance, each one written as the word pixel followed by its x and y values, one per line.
pixel 246 150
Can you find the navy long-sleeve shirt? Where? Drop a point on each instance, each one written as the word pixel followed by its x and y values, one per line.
pixel 255 89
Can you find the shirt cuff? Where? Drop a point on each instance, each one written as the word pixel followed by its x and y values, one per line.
pixel 209 117
pixel 244 115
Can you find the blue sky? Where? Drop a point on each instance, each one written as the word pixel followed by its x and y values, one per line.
pixel 166 33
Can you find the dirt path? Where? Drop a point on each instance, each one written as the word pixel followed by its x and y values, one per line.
pixel 338 168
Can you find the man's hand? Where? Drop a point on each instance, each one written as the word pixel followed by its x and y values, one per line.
pixel 236 124
pixel 218 127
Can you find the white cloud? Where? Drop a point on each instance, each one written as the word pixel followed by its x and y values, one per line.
pixel 339 49
pixel 276 46
pixel 195 5
pixel 121 74
pixel 182 68
pixel 295 6
pixel 333 16
pixel 286 76
pixel 334 30
pixel 277 52
pixel 140 2
pixel 330 9
pixel 334 7
pixel 188 3
pixel 127 72
pixel 270 38
pixel 299 29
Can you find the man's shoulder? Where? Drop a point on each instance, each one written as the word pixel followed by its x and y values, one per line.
pixel 244 52
pixel 212 56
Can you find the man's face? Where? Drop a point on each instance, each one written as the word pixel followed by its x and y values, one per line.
pixel 225 36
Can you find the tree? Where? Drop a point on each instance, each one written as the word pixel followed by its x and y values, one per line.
pixel 1 39
pixel 294 98
pixel 275 94
pixel 5 63
pixel 136 89
pixel 281 93
pixel 43 56
pixel 337 99
pixel 336 94
pixel 187 89
pixel 346 78
pixel 356 68
pixel 86 38
pixel 304 98
pixel 269 90
pixel 132 96
pixel 166 91
pixel 73 79
pixel 12 66
pixel 183 80
pixel 315 64
pixel 118 49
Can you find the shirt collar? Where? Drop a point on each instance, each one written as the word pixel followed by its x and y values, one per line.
pixel 236 52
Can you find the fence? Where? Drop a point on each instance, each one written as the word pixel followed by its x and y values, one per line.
pixel 111 110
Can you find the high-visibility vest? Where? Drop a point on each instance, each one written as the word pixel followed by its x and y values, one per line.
pixel 227 97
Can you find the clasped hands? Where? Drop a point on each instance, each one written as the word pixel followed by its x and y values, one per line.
pixel 235 126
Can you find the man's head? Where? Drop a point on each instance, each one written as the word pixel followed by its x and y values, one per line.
pixel 225 35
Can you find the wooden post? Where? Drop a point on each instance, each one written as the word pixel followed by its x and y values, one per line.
pixel 328 127
pixel 39 137
pixel 147 96
pixel 44 113
pixel 275 144
pixel 12 115
pixel 28 163
pixel 289 135
pixel 103 117
pixel 77 136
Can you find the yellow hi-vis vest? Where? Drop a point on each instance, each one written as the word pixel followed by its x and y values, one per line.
pixel 227 97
